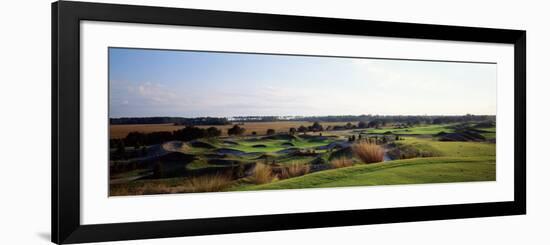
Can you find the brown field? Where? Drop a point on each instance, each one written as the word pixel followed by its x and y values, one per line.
pixel 120 131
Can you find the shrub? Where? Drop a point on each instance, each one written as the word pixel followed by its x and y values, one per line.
pixel 262 174
pixel 341 162
pixel 368 153
pixel 403 151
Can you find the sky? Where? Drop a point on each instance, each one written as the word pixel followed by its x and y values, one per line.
pixel 145 83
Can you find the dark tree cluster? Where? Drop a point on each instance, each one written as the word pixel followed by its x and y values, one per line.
pixel 236 130
pixel 292 131
pixel 382 120
pixel 344 127
pixel 137 139
pixel 302 129
pixel 316 127
pixel 255 119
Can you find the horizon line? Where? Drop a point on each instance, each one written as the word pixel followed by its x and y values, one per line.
pixel 290 116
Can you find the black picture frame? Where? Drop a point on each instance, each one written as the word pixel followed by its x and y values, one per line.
pixel 66 17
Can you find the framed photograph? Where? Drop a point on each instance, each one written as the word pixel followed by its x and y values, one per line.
pixel 177 122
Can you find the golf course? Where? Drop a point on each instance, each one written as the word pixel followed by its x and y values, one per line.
pixel 295 155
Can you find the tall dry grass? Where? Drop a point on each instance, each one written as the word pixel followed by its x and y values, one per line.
pixel 262 174
pixel 341 162
pixel 209 183
pixel 294 170
pixel 368 153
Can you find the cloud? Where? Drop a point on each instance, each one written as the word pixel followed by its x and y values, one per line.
pixel 154 94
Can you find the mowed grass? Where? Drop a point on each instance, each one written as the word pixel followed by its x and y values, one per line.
pixel 491 132
pixel 276 145
pixel 451 148
pixel 429 129
pixel 410 171
pixel 120 131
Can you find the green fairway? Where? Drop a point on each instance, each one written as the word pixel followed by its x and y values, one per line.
pixel 490 134
pixel 411 171
pixel 451 148
pixel 269 145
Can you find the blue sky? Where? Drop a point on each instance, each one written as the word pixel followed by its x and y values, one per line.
pixel 147 83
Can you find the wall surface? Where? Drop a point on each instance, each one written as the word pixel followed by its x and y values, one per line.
pixel 25 124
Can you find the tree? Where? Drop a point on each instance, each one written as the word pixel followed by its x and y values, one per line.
pixel 349 125
pixel 362 124
pixel 302 129
pixel 316 127
pixel 236 130
pixel 213 132
pixel 134 138
pixel 120 148
pixel 292 131
pixel 373 124
pixel 189 133
pixel 270 131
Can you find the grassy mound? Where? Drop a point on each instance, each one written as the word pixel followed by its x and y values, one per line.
pixel 411 171
pixel 450 148
pixel 287 137
pixel 201 144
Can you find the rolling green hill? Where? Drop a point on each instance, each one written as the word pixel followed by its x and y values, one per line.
pixel 456 162
pixel 410 171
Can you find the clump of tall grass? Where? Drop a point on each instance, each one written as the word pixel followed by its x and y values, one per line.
pixel 262 174
pixel 368 152
pixel 141 189
pixel 208 183
pixel 341 162
pixel 294 170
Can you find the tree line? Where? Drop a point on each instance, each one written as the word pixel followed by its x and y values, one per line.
pixel 171 120
pixel 375 119
pixel 188 133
